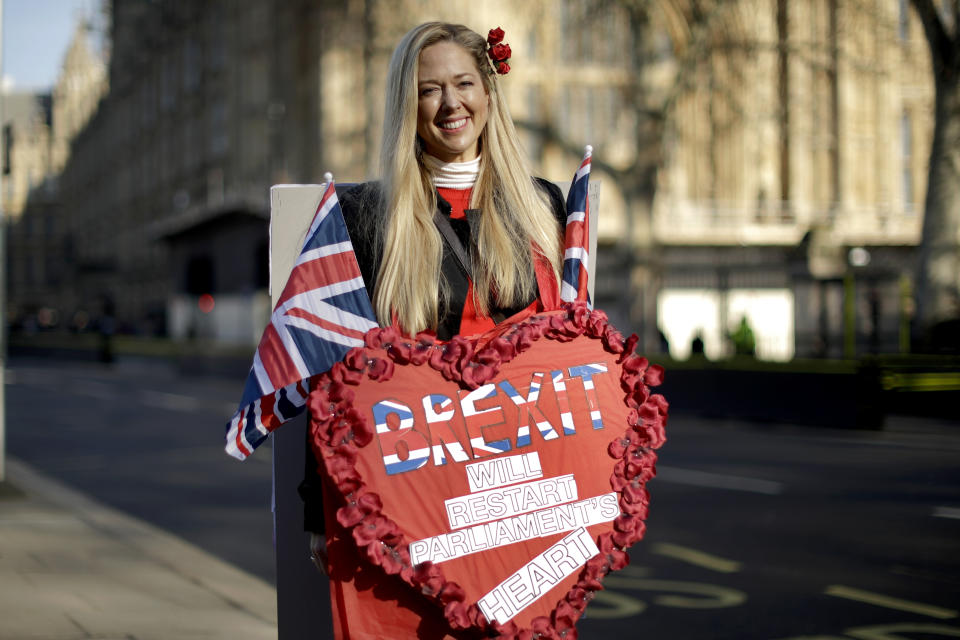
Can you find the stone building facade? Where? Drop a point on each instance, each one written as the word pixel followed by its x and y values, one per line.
pixel 793 191
pixel 800 137
pixel 39 131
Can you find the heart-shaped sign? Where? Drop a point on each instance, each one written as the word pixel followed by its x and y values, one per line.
pixel 501 476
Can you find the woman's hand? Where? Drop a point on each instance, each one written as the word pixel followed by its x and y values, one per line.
pixel 318 551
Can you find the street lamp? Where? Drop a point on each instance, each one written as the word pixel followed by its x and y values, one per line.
pixel 857 258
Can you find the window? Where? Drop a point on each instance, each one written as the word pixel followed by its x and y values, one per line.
pixel 903 27
pixel 906 160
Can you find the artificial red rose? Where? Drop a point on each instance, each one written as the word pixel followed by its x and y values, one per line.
pixel 656 435
pixel 473 375
pixel 612 340
pixel 505 350
pixel 347 480
pixel 456 614
pixel 648 412
pixel 635 399
pixel 476 616
pixel 597 323
pixel 562 330
pixel 363 504
pixel 629 346
pixel 349 484
pixel 579 312
pixel 400 351
pixel 500 52
pixel 482 369
pixel 373 528
pixel 565 618
pixel 339 392
pixel 634 493
pixel 422 348
pixel 391 558
pixel 639 509
pixel 430 578
pixel 616 558
pixel 495 36
pixel 351 428
pixel 595 569
pixel 524 338
pixel 619 447
pixel 451 592
pixel 654 376
pixel 635 365
pixel 641 465
pixel 339 432
pixel 651 427
pixel 356 359
pixel 321 408
pixel 342 462
pixel 362 431
pixel 380 369
pixel 542 628
pixel 372 339
pixel 573 326
pixel 624 522
pixel 661 403
pixel 625 539
pixel 451 356
pixel 504 631
pixel 579 598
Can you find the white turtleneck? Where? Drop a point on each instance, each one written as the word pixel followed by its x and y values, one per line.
pixel 452 175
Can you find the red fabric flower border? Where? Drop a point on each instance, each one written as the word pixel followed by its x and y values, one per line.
pixel 338 429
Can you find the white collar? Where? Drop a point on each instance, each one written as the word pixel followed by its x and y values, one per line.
pixel 452 175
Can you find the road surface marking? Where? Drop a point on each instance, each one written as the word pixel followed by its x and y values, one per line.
pixel 892 631
pixel 694 557
pixel 880 600
pixel 614 605
pixel 692 595
pixel 718 480
pixel 947 512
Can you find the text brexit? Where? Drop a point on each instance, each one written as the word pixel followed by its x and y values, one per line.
pixel 489 420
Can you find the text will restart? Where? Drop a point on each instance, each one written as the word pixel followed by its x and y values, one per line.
pixel 487 421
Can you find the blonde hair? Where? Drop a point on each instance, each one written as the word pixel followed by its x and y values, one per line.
pixel 515 214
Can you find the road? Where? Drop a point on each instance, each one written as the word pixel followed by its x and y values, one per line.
pixel 755 531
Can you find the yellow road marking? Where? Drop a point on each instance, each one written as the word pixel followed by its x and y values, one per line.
pixel 692 595
pixel 613 605
pixel 694 557
pixel 881 600
pixel 893 631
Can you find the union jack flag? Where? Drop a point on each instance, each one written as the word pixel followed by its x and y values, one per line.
pixel 576 258
pixel 323 312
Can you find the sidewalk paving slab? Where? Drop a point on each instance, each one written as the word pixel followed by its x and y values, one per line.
pixel 74 568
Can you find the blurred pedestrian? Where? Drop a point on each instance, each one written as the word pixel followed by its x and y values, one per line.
pixel 107 327
pixel 696 346
pixel 744 342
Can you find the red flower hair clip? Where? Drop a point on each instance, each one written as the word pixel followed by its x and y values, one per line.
pixel 498 51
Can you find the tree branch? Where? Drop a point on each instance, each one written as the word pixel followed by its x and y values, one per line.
pixel 548 132
pixel 937 37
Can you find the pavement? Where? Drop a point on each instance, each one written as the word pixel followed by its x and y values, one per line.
pixel 72 568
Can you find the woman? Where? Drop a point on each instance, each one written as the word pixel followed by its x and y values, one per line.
pixel 455 238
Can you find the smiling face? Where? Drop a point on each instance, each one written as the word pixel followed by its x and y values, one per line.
pixel 453 102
